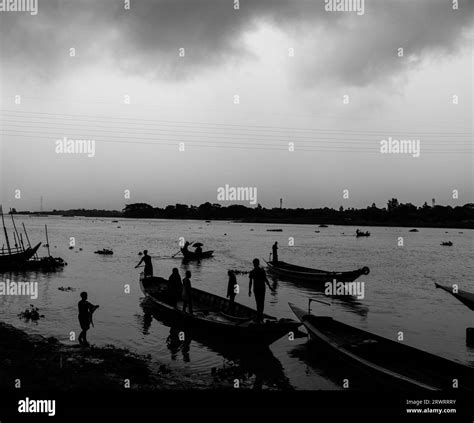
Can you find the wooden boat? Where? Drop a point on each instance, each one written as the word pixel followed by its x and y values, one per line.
pixel 274 230
pixel 396 363
pixel 467 298
pixel 360 234
pixel 191 255
pixel 17 256
pixel 292 271
pixel 413 230
pixel 212 314
pixel 447 244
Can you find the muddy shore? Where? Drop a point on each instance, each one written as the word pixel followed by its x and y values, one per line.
pixel 41 363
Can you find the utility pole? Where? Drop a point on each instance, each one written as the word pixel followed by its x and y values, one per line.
pixel 281 203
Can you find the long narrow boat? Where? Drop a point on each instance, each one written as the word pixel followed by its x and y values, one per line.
pixel 396 363
pixel 214 315
pixel 18 257
pixel 467 298
pixel 191 255
pixel 314 275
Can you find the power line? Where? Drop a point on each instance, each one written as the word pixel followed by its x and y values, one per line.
pixel 111 119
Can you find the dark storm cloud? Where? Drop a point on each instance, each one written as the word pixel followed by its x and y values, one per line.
pixel 145 40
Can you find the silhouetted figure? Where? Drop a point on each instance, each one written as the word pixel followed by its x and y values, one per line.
pixel 231 290
pixel 198 250
pixel 175 287
pixel 259 278
pixel 275 253
pixel 85 317
pixel 148 272
pixel 185 248
pixel 187 293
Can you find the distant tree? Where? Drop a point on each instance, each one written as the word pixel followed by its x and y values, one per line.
pixel 392 205
pixel 138 210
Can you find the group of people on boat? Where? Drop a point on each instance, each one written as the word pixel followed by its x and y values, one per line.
pixel 182 290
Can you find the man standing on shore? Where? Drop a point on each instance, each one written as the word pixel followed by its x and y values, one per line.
pixel 85 317
pixel 259 278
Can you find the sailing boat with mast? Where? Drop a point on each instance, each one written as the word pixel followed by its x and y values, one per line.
pixel 16 256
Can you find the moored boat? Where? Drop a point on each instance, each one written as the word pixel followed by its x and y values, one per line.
pixel 17 256
pixel 214 315
pixel 292 271
pixel 401 366
pixel 467 298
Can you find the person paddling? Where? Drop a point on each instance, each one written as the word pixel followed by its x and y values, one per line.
pixel 148 272
pixel 259 278
pixel 86 309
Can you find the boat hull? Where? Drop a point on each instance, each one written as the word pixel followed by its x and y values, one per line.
pixel 14 261
pixel 190 255
pixel 313 275
pixel 467 298
pixel 400 365
pixel 211 313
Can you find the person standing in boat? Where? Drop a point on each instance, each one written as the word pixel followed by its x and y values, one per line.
pixel 187 293
pixel 275 253
pixel 175 287
pixel 258 278
pixel 231 289
pixel 85 317
pixel 185 248
pixel 198 250
pixel 148 272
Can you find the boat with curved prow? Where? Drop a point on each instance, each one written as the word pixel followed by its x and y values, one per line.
pixel 292 271
pixel 17 257
pixel 214 315
pixel 397 364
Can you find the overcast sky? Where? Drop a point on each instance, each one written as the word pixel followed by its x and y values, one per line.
pixel 290 62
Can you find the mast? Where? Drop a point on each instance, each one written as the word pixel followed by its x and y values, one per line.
pixel 5 230
pixel 47 240
pixel 14 227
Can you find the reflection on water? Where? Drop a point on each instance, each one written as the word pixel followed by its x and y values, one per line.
pixel 399 291
pixel 316 291
pixel 253 366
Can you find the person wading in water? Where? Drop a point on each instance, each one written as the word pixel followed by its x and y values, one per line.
pixel 85 317
pixel 259 278
pixel 148 272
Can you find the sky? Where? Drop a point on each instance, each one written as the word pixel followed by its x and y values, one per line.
pixel 279 95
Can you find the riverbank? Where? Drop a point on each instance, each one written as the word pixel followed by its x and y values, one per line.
pixel 41 363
